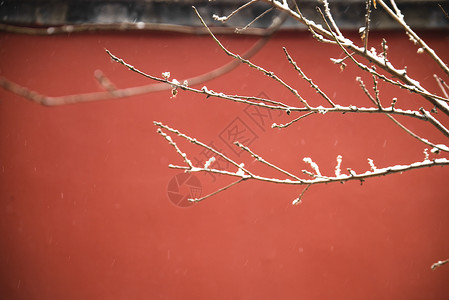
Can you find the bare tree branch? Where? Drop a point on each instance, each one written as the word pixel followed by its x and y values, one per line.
pixel 314 86
pixel 365 31
pixel 327 11
pixel 275 105
pixel 274 125
pixel 298 200
pixel 245 174
pixel 399 18
pixel 260 159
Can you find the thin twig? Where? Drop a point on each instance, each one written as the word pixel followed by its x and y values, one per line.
pixel 367 23
pixel 398 17
pixel 196 142
pixel 439 264
pixel 439 147
pixel 365 90
pixel 443 85
pixel 444 12
pixel 376 92
pixel 217 191
pixel 172 143
pixel 435 122
pixel 319 91
pixel 239 30
pixel 274 125
pixel 233 13
pixel 327 11
pixel 251 99
pixel 262 160
pixel 298 200
pixel 384 50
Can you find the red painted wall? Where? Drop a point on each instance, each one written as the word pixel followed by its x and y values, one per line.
pixel 84 205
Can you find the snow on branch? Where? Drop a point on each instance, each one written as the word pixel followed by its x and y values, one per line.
pixel 244 174
pixel 439 264
pixel 399 18
pixel 333 34
pixel 275 105
pixel 327 35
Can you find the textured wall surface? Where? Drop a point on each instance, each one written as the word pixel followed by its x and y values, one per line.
pixel 89 209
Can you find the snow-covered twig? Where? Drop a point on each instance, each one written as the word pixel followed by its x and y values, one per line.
pixel 233 13
pixel 274 125
pixel 366 29
pixel 327 11
pixel 399 18
pixel 437 148
pixel 317 178
pixel 443 85
pixel 260 159
pixel 439 264
pixel 172 143
pixel 313 85
pixel 365 90
pixel 203 145
pixel 298 200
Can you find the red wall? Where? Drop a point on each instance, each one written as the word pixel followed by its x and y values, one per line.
pixel 84 205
